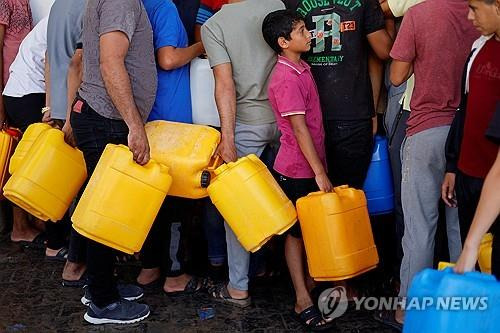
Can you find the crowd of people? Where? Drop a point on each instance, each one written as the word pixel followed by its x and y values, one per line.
pixel 300 83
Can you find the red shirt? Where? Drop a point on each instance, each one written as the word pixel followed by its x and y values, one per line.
pixel 436 37
pixel 292 91
pixel 477 153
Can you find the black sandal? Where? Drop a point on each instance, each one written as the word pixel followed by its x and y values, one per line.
pixel 220 293
pixel 61 255
pixel 312 320
pixel 39 242
pixel 194 285
pixel 387 317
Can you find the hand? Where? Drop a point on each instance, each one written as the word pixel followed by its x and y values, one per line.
pixel 448 190
pixel 323 182
pixel 68 134
pixel 138 145
pixel 227 150
pixel 47 117
pixel 467 260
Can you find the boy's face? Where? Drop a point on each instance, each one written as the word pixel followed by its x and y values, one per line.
pixel 484 17
pixel 300 38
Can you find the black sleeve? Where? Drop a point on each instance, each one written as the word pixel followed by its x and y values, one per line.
pixel 493 132
pixel 454 139
pixel 373 17
pixel 79 46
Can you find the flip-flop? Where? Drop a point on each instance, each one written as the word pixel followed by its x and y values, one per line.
pixel 387 317
pixel 194 285
pixel 220 293
pixel 60 256
pixel 312 320
pixel 39 242
pixel 76 283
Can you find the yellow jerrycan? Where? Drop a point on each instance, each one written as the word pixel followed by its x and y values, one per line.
pixel 29 136
pixel 251 201
pixel 121 200
pixel 8 140
pixel 484 257
pixel 48 178
pixel 337 234
pixel 188 152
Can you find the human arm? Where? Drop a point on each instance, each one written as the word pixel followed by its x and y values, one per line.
pixel 400 72
pixel 487 212
pixel 75 72
pixel 306 145
pixel 376 71
pixel 113 50
pixel 170 57
pixel 225 98
pixel 403 52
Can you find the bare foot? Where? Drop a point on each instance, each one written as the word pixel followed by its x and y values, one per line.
pixel 148 275
pixel 178 283
pixel 73 271
pixel 236 293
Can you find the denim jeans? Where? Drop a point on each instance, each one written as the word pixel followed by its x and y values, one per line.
pixel 92 133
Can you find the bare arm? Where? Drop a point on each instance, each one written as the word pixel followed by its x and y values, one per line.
pixel 381 43
pixel 306 145
pixel 197 33
pixel 75 73
pixel 400 71
pixel 3 116
pixel 113 50
pixel 376 70
pixel 225 98
pixel 170 57
pixel 487 211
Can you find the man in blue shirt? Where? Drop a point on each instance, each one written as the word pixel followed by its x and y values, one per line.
pixel 173 98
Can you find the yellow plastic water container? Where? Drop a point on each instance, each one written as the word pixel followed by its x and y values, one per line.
pixel 29 136
pixel 121 200
pixel 188 151
pixel 337 234
pixel 251 201
pixel 8 140
pixel 484 257
pixel 48 178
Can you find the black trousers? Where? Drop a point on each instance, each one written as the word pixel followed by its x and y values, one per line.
pixel 468 191
pixel 349 146
pixel 163 247
pixel 92 133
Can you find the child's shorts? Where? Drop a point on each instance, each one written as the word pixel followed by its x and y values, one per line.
pixel 294 189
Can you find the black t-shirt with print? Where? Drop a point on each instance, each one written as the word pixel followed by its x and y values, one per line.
pixel 339 53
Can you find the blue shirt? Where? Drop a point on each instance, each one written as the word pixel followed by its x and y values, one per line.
pixel 173 97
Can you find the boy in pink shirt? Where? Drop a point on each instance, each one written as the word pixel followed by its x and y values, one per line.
pixel 301 161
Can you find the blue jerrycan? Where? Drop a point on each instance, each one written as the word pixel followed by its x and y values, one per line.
pixel 443 301
pixel 378 187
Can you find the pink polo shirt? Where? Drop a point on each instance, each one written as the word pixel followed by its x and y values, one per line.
pixel 292 91
pixel 16 16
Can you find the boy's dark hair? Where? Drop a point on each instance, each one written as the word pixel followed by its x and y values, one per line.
pixel 279 24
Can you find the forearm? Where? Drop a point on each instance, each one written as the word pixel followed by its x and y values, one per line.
pixel 376 71
pixel 74 80
pixel 225 97
pixel 197 33
pixel 488 208
pixel 47 79
pixel 117 83
pixel 306 145
pixel 178 57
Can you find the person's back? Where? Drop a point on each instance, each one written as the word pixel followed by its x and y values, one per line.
pixel 238 27
pixel 438 51
pixel 63 33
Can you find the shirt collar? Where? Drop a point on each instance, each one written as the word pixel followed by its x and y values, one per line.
pixel 299 68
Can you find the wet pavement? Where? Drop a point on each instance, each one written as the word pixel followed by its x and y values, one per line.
pixel 33 300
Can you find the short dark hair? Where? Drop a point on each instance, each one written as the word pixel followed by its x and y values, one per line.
pixel 279 24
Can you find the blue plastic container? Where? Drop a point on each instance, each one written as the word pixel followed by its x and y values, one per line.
pixel 460 303
pixel 378 186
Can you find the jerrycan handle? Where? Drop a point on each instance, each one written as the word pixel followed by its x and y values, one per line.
pixel 339 189
pixel 206 175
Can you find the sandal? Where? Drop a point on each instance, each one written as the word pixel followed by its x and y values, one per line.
pixel 61 255
pixel 387 317
pixel 312 320
pixel 220 293
pixel 39 242
pixel 194 285
pixel 76 283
